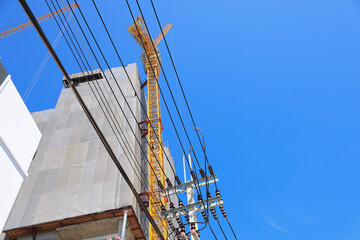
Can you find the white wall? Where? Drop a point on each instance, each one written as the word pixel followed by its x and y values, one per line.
pixel 19 138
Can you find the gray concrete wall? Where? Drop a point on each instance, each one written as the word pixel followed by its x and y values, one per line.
pixel 72 174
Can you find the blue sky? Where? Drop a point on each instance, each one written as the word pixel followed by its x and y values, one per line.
pixel 274 86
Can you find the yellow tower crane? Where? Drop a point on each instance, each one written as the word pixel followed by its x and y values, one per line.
pixel 40 19
pixel 155 154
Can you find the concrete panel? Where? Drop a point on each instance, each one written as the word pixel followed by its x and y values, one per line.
pixel 78 177
pixel 72 174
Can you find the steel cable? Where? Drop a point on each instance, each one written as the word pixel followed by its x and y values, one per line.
pixel 96 96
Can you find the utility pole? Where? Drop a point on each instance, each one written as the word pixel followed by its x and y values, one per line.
pixel 192 206
pixel 192 211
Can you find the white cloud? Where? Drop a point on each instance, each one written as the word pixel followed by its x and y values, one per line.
pixel 276 226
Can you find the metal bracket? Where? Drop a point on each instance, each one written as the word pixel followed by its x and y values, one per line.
pixel 197 183
pixel 182 211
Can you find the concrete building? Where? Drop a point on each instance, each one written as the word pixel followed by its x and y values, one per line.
pixel 74 190
pixel 19 138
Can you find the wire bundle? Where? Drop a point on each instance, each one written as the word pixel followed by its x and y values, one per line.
pixel 111 111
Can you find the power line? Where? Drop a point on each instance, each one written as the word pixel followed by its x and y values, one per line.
pixel 101 52
pixel 187 104
pixel 164 99
pixel 61 30
pixel 107 32
pixel 177 75
pixel 222 230
pixel 90 117
pixel 167 83
pixel 182 90
pixel 212 231
pixel 151 192
pixel 196 129
pixel 106 62
pixel 148 58
pixel 108 80
pixel 231 228
pixel 133 86
pixel 178 78
pixel 100 66
pixel 79 36
pixel 83 55
pixel 118 55
pixel 193 173
pixel 170 90
pixel 96 90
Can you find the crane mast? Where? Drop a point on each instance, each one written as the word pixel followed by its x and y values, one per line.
pixel 40 19
pixel 150 58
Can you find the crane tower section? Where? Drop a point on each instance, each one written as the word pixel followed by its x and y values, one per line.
pixel 150 58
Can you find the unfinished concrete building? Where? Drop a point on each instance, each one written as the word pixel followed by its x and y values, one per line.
pixel 73 189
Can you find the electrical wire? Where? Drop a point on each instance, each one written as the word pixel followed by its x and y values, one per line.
pixel 92 89
pixel 152 192
pixel 231 228
pixel 97 45
pixel 112 42
pixel 95 82
pixel 89 115
pixel 212 231
pixel 177 76
pixel 198 188
pixel 147 55
pixel 62 28
pixel 91 81
pixel 115 78
pixel 109 35
pixel 196 129
pixel 108 80
pixel 222 230
pixel 156 81
pixel 182 90
pixel 142 43
pixel 166 80
pixel 201 171
pixel 174 100
pixel 131 111
pixel 140 146
pixel 143 108
pixel 115 110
